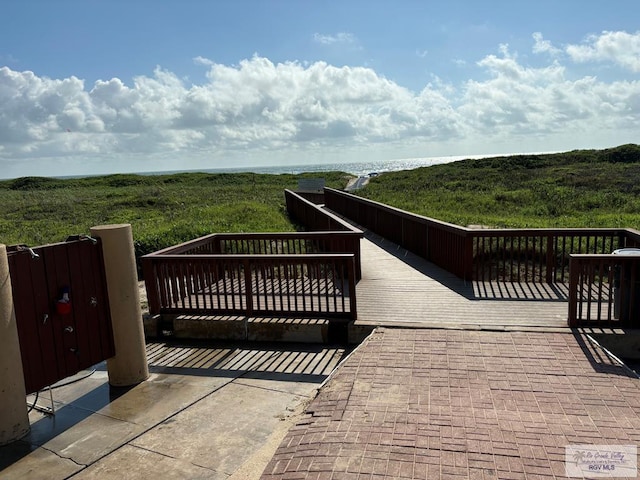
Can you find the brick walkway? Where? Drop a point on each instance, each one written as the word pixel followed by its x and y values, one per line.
pixel 453 404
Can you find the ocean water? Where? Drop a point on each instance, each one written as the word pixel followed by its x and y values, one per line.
pixel 354 168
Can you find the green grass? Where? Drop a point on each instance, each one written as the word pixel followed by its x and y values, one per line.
pixel 163 210
pixel 587 188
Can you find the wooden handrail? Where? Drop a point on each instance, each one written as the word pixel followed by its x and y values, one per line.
pixel 320 221
pixel 520 255
pixel 292 285
pixel 604 290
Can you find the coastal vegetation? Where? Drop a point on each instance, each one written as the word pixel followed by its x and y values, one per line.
pixel 582 188
pixel 163 209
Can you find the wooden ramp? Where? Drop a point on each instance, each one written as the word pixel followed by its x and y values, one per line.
pixel 401 289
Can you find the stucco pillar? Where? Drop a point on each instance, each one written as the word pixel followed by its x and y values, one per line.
pixel 129 365
pixel 14 418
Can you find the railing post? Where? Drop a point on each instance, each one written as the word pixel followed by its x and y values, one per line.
pixel 550 259
pixel 358 258
pixel 151 285
pixel 248 285
pixel 574 275
pixel 353 310
pixel 467 261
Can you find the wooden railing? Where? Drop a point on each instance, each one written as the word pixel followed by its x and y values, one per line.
pixel 604 290
pixel 321 222
pixel 320 285
pixel 442 243
pixel 315 218
pixel 290 274
pixel 575 256
pixel 536 255
pixel 291 243
pixel 509 255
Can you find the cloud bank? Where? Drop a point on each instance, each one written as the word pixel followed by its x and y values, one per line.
pixel 267 109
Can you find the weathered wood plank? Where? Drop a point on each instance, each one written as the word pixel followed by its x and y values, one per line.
pixel 400 288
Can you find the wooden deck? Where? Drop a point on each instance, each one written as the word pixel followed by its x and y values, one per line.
pixel 401 289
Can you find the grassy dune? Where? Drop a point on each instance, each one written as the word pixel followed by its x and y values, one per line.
pixel 163 210
pixel 586 188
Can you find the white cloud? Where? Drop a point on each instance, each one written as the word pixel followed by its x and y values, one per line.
pixel 203 61
pixel 620 48
pixel 312 110
pixel 544 46
pixel 520 101
pixel 338 38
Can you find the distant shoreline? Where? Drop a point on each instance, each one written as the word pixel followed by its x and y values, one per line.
pixel 353 168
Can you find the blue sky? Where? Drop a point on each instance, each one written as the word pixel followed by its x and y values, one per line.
pixel 115 86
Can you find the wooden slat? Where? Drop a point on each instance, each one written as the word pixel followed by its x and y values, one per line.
pixel 102 309
pixel 49 352
pixel 399 288
pixel 254 284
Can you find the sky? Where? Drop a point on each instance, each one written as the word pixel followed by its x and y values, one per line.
pixel 114 86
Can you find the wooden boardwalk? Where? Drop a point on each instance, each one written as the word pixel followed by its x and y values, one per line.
pixel 401 289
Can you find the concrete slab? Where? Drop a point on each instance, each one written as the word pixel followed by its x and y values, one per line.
pixel 207 411
pixel 34 464
pixel 81 436
pixel 141 464
pixel 150 402
pixel 222 430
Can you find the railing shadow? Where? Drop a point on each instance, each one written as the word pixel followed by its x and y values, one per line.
pixel 311 363
pixel 555 292
pixel 282 362
pixel 473 290
pixel 599 359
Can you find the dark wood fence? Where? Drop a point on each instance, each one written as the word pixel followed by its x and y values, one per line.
pixel 318 220
pixel 604 290
pixel 307 274
pixel 537 255
pixel 58 339
pixel 509 255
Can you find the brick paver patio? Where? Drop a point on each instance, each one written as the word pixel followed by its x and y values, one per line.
pixel 461 404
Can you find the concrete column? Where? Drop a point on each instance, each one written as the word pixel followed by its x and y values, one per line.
pixel 14 418
pixel 129 366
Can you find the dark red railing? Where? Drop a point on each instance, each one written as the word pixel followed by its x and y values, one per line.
pixel 299 274
pixel 292 243
pixel 442 243
pixel 536 255
pixel 510 255
pixel 577 256
pixel 604 290
pixel 322 222
pixel 309 285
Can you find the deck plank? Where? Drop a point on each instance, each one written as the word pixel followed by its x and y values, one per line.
pixel 399 288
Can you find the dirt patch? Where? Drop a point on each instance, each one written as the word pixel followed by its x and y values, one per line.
pixel 144 303
pixel 252 469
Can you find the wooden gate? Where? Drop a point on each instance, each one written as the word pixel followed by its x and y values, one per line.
pixel 62 309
